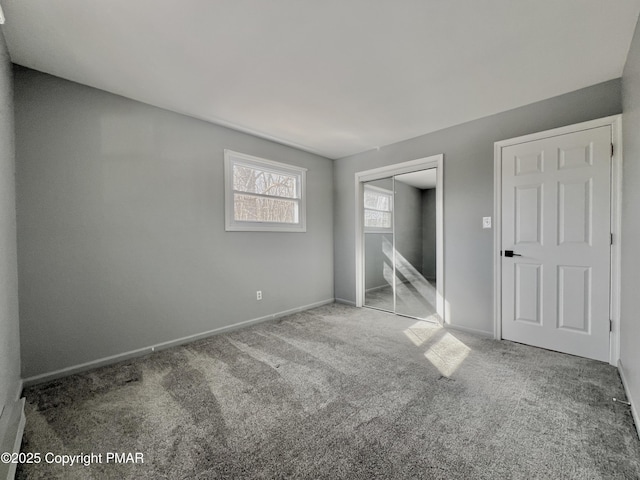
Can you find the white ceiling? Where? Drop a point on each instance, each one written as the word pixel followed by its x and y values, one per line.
pixel 335 77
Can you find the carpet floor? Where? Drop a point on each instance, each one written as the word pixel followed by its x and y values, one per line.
pixel 339 393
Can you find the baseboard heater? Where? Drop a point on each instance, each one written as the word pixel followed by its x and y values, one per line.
pixel 12 421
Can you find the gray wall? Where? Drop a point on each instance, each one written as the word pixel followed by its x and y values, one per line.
pixel 121 227
pixel 429 233
pixel 9 336
pixel 630 308
pixel 468 193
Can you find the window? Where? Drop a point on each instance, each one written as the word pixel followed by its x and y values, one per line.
pixel 378 209
pixel 263 195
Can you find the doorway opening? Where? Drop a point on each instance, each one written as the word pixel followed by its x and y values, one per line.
pixel 399 239
pixel 557 239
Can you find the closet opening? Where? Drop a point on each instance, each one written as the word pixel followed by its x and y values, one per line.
pixel 399 239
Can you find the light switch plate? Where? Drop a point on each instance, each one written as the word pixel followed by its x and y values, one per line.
pixel 486 222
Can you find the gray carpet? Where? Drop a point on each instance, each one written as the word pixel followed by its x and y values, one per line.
pixel 339 392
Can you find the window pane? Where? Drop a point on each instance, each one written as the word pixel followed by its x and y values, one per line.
pixel 248 208
pixel 253 180
pixel 377 219
pixel 377 201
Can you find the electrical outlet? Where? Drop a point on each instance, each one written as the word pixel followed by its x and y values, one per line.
pixel 486 222
pixel 259 295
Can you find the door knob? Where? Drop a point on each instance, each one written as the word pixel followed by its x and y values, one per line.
pixel 509 253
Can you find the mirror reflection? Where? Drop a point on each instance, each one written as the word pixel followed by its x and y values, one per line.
pixel 415 243
pixel 378 236
pixel 400 244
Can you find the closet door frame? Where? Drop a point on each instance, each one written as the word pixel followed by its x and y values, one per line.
pixel 434 161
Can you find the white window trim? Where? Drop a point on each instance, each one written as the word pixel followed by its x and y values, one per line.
pixel 231 225
pixel 386 192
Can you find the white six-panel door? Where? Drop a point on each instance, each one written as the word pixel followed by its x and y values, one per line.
pixel 556 216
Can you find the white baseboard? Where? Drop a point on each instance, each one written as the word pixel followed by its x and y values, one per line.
pixel 473 331
pixel 345 302
pixel 45 377
pixel 634 412
pixel 12 421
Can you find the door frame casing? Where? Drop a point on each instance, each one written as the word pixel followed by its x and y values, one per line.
pixel 615 122
pixel 433 161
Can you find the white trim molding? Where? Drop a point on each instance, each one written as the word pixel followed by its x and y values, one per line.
pixel 615 122
pixel 231 159
pixel 434 161
pixel 634 411
pixel 12 422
